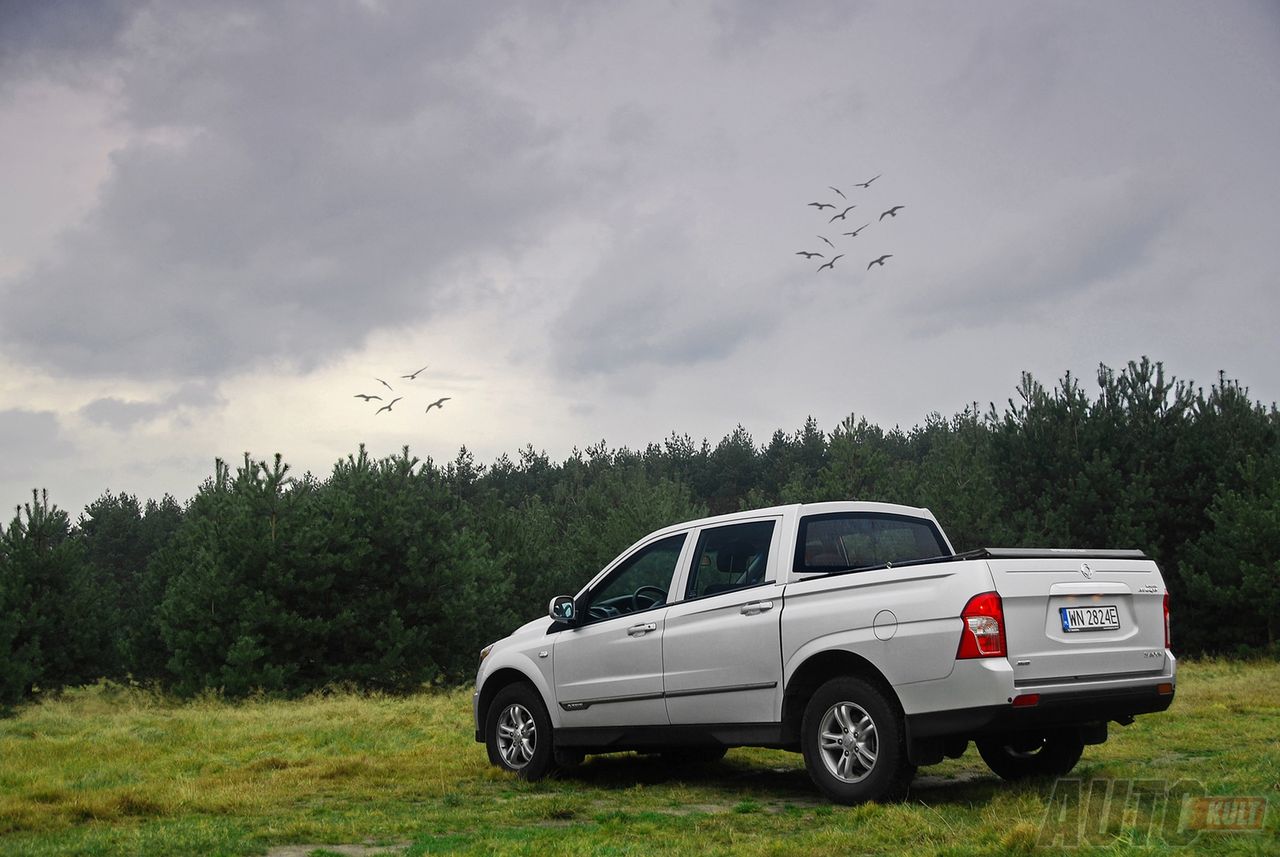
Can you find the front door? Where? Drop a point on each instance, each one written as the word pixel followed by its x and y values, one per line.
pixel 608 670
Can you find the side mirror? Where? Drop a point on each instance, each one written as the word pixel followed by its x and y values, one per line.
pixel 562 609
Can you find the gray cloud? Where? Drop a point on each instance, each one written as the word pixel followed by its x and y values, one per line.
pixel 124 414
pixel 31 440
pixel 63 39
pixel 120 414
pixel 744 24
pixel 1095 235
pixel 654 301
pixel 315 173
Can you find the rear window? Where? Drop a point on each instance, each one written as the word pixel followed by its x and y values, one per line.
pixel 849 540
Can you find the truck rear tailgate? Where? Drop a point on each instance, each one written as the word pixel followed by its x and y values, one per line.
pixel 1073 616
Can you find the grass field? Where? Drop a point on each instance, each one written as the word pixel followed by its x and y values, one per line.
pixel 113 771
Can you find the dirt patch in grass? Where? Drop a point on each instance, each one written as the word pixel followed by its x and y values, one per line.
pixel 364 850
pixel 935 781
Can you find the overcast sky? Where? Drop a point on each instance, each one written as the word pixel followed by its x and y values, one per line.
pixel 220 221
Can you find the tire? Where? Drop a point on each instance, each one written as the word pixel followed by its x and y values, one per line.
pixel 1017 757
pixel 864 754
pixel 518 733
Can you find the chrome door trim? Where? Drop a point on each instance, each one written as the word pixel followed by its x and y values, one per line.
pixel 583 704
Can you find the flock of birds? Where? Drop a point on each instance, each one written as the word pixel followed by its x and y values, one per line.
pixel 843 215
pixel 807 254
pixel 412 376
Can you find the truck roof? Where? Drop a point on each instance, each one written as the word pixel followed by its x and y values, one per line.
pixel 800 509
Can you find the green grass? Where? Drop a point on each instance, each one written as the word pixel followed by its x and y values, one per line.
pixel 111 771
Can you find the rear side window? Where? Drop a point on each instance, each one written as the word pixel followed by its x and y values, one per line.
pixel 727 558
pixel 849 540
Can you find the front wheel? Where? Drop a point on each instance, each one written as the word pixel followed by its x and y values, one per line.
pixel 518 733
pixel 1017 757
pixel 854 743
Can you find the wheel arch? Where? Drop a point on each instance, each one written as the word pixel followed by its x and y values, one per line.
pixel 494 683
pixel 817 669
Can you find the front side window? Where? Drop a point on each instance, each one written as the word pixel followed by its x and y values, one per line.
pixel 845 540
pixel 727 558
pixel 640 582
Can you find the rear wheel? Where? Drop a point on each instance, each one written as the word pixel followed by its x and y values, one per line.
pixel 854 743
pixel 518 733
pixel 1017 757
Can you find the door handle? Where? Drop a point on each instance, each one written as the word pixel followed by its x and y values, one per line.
pixel 751 608
pixel 641 630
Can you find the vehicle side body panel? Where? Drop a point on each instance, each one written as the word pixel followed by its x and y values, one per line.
pixel 904 620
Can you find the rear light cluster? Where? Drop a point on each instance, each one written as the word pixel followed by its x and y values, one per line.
pixel 1168 638
pixel 983 634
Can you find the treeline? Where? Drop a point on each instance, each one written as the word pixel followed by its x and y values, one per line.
pixel 392 573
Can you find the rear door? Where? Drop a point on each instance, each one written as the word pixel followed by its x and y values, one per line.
pixel 1078 616
pixel 721 649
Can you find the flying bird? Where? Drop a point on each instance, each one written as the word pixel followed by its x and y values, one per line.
pixel 832 263
pixel 829 244
pixel 385 384
pixel 868 182
pixel 893 212
pixel 821 205
pixel 388 405
pixel 879 261
pixel 854 233
pixel 837 190
pixel 808 255
pixel 438 403
pixel 841 215
pixel 415 374
pixel 366 397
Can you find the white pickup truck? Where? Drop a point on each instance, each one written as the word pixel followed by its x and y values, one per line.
pixel 850 632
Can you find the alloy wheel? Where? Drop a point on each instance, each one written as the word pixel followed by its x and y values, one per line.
pixel 848 742
pixel 517 736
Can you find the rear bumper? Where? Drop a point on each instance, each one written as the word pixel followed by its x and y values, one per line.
pixel 1071 708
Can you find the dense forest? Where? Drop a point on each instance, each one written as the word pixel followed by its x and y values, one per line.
pixel 391 573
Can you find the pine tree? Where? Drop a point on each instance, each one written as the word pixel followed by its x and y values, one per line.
pixel 55 615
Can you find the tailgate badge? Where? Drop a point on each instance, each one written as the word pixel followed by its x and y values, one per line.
pixel 1086 570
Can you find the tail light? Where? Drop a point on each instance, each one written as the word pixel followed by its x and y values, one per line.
pixel 983 633
pixel 1168 638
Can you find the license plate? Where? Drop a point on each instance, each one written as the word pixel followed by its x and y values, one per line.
pixel 1103 618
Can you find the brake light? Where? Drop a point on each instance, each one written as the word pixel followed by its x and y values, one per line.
pixel 1167 636
pixel 983 633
